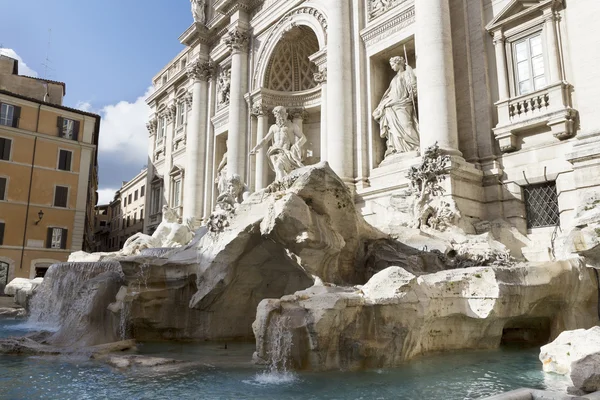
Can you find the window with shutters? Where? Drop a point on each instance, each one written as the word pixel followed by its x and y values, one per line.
pixel 64 160
pixel 2 226
pixel 61 195
pixel 9 115
pixel 57 238
pixel 3 185
pixel 5 146
pixel 68 128
pixel 541 205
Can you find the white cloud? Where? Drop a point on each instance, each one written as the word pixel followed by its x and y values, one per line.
pixel 123 130
pixel 84 106
pixel 23 68
pixel 105 196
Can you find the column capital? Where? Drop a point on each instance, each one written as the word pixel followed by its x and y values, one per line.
pixel 187 99
pixel 237 41
pixel 152 126
pixel 169 113
pixel 499 38
pixel 321 76
pixel 259 109
pixel 200 70
pixel 298 113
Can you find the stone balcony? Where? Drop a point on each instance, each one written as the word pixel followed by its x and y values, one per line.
pixel 548 107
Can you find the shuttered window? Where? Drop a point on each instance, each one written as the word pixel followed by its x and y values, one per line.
pixel 61 195
pixel 9 115
pixel 5 145
pixel 3 183
pixel 64 160
pixel 68 128
pixel 2 225
pixel 56 238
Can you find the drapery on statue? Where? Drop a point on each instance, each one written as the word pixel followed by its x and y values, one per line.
pixel 221 179
pixel 285 153
pixel 396 112
pixel 199 10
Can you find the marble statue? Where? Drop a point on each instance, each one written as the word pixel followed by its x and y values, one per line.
pixel 396 112
pixel 199 11
pixel 223 87
pixel 230 196
pixel 221 179
pixel 169 233
pixel 285 153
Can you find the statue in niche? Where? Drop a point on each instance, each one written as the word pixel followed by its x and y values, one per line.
pixel 396 112
pixel 285 153
pixel 199 11
pixel 223 87
pixel 221 179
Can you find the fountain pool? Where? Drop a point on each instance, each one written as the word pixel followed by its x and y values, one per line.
pixel 228 374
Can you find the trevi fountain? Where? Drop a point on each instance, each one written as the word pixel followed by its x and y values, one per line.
pixel 288 291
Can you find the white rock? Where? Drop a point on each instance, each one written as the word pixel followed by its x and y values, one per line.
pixel 21 284
pixel 568 348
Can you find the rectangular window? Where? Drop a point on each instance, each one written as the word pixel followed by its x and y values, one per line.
pixel 2 225
pixel 156 203
pixel 5 145
pixel 124 201
pixel 64 160
pixel 3 184
pixel 529 64
pixel 128 221
pixel 134 218
pixel 57 238
pixel 541 205
pixel 68 128
pixel 141 215
pixel 135 195
pixel 61 195
pixel 181 114
pixel 176 193
pixel 9 115
pixel 142 191
pixel 162 126
pixel 129 199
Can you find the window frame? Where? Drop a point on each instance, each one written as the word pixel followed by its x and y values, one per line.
pixel 13 107
pixel 67 196
pixel 529 60
pixel 10 150
pixel 2 231
pixel 70 166
pixel 176 196
pixel 4 193
pixel 529 219
pixel 50 238
pixel 511 57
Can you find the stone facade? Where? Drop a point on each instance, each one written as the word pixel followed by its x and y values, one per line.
pixel 505 88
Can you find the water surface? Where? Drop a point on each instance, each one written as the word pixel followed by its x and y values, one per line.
pixel 228 374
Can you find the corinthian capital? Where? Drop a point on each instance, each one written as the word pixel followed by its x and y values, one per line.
pixel 170 112
pixel 151 126
pixel 200 70
pixel 321 76
pixel 237 40
pixel 259 109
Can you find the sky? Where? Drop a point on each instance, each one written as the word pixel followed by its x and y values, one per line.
pixel 107 53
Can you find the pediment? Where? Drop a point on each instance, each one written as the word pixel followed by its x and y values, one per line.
pixel 176 170
pixel 156 180
pixel 517 10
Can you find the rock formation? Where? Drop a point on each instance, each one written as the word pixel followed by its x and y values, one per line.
pixel 397 315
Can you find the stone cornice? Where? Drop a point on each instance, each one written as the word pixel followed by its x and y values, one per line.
pixel 383 28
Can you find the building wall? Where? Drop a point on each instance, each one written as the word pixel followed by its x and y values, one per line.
pixel 32 173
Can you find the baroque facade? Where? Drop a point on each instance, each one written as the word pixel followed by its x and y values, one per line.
pixel 506 89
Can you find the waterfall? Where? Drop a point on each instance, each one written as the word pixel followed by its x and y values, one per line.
pixel 123 320
pixel 280 346
pixel 55 297
pixel 157 252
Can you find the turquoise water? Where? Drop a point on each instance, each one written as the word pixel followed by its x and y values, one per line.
pixel 228 374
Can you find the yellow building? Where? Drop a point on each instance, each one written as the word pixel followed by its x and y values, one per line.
pixel 48 175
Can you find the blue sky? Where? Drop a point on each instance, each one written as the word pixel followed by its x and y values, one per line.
pixel 107 52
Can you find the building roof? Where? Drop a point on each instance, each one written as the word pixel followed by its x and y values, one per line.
pixel 64 85
pixel 20 96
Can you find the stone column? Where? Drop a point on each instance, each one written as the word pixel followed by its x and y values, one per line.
pixel 261 113
pixel 237 148
pixel 321 78
pixel 340 126
pixel 436 91
pixel 170 113
pixel 499 41
pixel 299 115
pixel 199 72
pixel 552 42
pixel 209 185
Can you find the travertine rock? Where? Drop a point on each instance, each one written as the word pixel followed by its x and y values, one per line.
pixel 576 353
pixel 398 315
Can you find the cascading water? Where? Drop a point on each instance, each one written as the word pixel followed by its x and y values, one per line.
pixel 124 320
pixel 279 354
pixel 55 297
